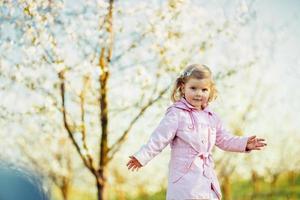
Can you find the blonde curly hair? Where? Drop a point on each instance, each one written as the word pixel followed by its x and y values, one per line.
pixel 196 71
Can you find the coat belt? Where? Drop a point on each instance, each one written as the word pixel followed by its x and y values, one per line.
pixel 207 163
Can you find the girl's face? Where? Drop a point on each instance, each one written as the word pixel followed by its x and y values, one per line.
pixel 196 92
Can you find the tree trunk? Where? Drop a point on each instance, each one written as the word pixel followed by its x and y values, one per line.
pixel 255 183
pixel 274 181
pixel 101 187
pixel 273 184
pixel 226 187
pixel 65 188
pixel 104 61
pixel 100 191
pixel 292 178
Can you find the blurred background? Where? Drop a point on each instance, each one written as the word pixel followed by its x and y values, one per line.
pixel 84 83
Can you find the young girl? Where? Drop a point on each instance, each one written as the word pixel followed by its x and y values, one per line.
pixel 192 130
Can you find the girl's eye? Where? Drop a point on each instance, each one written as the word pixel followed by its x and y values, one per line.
pixel 193 88
pixel 205 90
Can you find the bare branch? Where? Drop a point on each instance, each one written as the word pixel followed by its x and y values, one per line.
pixel 116 146
pixel 83 128
pixel 67 126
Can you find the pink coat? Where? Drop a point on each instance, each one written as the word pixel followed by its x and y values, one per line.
pixel 191 134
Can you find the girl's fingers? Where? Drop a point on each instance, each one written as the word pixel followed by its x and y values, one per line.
pixel 129 162
pixel 133 165
pixel 132 168
pixel 251 140
pixel 255 143
pixel 132 158
pixel 135 168
pixel 263 143
pixel 252 137
pixel 129 167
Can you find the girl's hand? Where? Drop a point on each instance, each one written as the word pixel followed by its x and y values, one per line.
pixel 254 143
pixel 133 164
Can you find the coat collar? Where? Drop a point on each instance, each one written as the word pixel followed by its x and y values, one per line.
pixel 184 105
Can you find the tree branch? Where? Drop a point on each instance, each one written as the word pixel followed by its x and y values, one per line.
pixel 117 145
pixel 67 126
pixel 83 128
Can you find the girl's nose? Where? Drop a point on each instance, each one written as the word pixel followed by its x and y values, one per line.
pixel 199 93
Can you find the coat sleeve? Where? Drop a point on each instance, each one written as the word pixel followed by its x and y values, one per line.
pixel 228 142
pixel 160 138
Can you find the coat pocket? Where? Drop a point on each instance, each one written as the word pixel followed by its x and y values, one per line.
pixel 179 166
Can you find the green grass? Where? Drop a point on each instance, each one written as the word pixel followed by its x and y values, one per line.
pixel 244 191
pixel 240 190
pixel 161 195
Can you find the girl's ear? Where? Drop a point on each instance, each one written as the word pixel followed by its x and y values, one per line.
pixel 182 88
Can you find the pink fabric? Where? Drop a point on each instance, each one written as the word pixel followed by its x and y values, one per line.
pixel 191 134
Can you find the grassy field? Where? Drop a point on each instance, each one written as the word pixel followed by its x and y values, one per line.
pixel 243 190
pixel 240 190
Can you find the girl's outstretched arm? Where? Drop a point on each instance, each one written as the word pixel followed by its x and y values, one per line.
pixel 229 142
pixel 159 139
